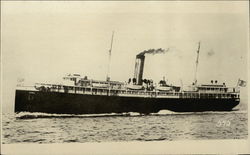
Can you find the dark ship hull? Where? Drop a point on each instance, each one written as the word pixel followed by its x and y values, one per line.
pixel 67 103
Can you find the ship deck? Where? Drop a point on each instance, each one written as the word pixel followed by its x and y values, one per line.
pixel 123 92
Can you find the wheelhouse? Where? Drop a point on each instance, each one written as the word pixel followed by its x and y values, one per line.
pixel 212 88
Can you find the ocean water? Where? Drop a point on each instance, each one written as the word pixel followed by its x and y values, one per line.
pixel 162 126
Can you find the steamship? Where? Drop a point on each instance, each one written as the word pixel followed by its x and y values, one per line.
pixel 81 95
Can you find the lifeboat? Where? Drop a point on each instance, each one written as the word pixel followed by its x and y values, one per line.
pixel 164 88
pixel 134 87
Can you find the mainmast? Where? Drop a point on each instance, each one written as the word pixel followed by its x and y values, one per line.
pixel 196 66
pixel 109 59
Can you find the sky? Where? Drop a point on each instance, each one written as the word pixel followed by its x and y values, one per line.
pixel 43 41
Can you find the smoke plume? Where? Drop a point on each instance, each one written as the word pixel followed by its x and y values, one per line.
pixel 153 51
pixel 210 53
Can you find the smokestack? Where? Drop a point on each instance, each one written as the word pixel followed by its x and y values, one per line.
pixel 139 63
pixel 139 66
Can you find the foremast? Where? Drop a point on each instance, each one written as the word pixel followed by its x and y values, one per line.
pixel 109 58
pixel 196 65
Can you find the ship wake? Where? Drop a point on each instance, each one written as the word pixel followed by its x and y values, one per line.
pixel 36 115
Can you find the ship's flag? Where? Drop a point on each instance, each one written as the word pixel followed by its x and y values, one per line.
pixel 242 83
